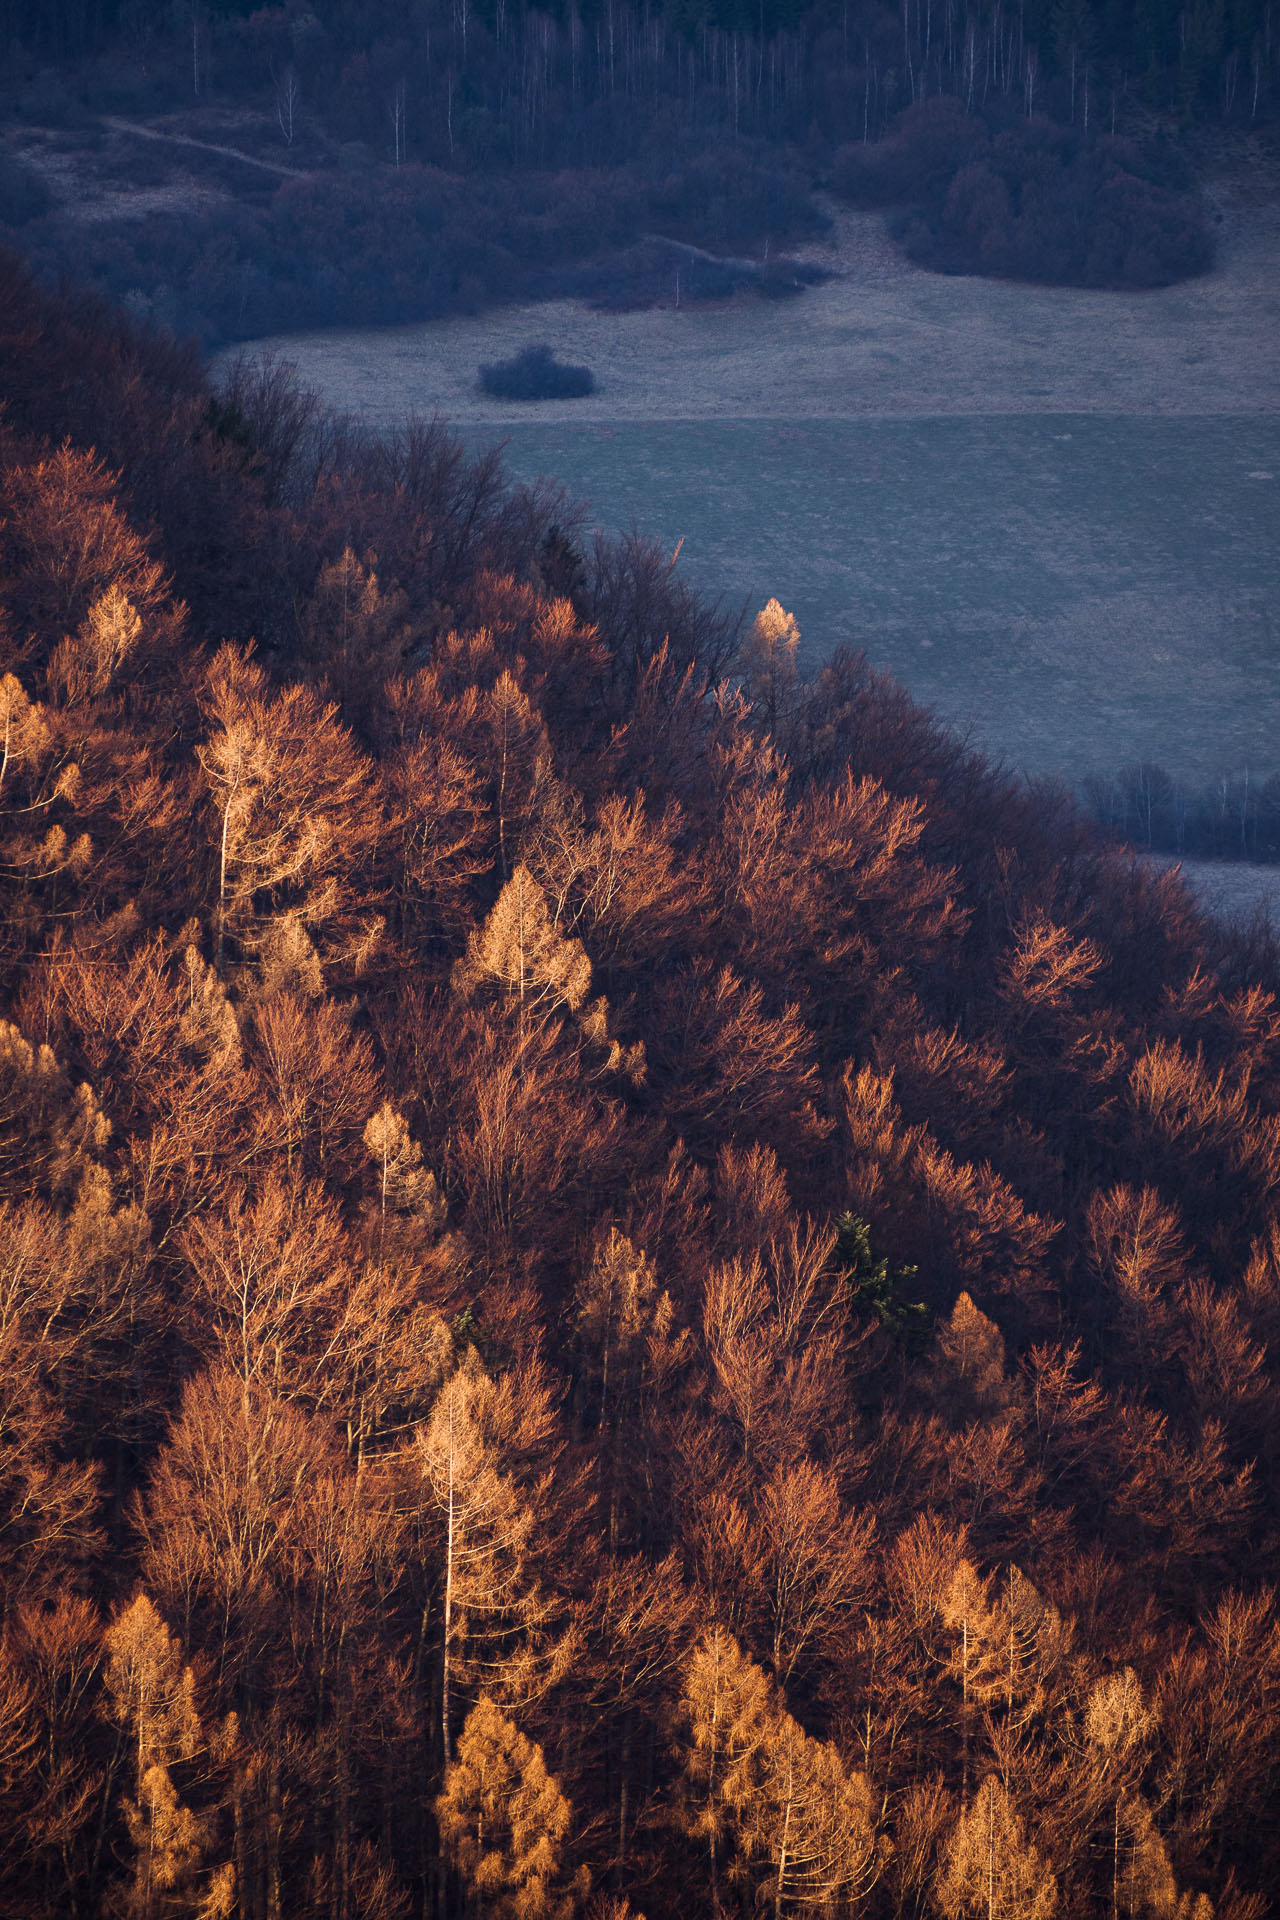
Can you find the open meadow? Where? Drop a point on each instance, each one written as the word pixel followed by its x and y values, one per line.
pixel 1053 514
pixel 1079 591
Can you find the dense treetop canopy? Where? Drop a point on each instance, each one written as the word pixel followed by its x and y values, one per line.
pixel 628 1282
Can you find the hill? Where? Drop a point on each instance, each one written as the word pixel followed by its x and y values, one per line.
pixel 629 1281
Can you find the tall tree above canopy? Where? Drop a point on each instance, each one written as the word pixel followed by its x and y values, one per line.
pixel 292 816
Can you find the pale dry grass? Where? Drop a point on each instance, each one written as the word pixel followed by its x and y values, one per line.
pixel 1232 889
pixel 1075 592
pixel 880 338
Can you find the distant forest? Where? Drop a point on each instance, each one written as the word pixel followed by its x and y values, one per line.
pixel 523 80
pixel 630 1284
pixel 452 154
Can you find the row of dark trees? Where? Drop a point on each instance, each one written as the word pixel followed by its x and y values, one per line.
pixel 525 78
pixel 627 1282
pixel 1235 817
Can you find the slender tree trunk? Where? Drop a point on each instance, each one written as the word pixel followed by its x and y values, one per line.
pixel 624 1789
pixel 445 1675
pixel 782 1852
pixel 222 888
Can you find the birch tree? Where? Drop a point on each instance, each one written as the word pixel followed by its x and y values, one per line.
pixel 769 664
pixel 810 1828
pixel 406 1189
pixel 630 1347
pixel 777 1810
pixel 520 950
pixel 723 1723
pixel 291 811
pixel 151 1696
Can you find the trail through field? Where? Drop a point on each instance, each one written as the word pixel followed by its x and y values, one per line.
pixel 204 146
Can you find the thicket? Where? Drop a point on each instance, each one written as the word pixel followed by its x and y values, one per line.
pixel 376 246
pixel 628 1282
pixel 1030 200
pixel 535 374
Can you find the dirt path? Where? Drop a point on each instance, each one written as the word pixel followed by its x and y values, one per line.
pixel 205 146
pixel 749 269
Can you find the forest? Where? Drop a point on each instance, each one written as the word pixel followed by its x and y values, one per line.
pixel 403 161
pixel 630 1284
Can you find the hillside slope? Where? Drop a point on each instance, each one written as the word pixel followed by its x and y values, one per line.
pixel 626 1278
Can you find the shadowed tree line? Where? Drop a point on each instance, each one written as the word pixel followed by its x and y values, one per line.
pixel 1235 817
pixel 527 80
pixel 452 155
pixel 629 1283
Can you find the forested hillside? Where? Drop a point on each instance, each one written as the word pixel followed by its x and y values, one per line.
pixel 628 1283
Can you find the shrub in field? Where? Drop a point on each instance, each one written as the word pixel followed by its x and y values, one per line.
pixel 536 374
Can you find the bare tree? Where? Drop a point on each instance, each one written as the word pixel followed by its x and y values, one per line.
pixel 396 112
pixel 288 101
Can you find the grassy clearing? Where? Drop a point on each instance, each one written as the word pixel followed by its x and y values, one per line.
pixel 1053 514
pixel 1081 591
pixel 1233 890
pixel 881 337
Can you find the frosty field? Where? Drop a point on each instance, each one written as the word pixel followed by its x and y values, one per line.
pixel 1081 591
pixel 1053 514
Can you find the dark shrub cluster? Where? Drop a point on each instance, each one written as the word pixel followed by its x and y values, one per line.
pixel 1029 200
pixel 656 273
pixel 343 249
pixel 374 246
pixel 915 162
pixel 536 374
pixel 781 277
pixel 726 198
pixel 648 274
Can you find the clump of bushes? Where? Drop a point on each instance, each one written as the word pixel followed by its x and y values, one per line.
pixel 1028 200
pixel 726 201
pixel 536 374
pixel 915 162
pixel 361 245
pixel 651 274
